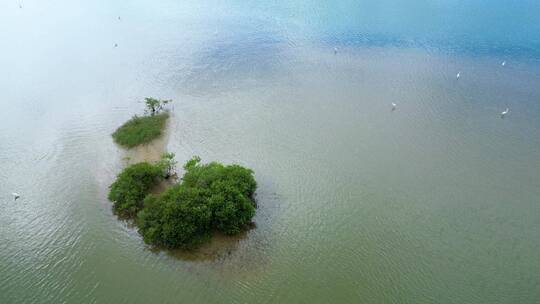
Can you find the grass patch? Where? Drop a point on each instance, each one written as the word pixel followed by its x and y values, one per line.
pixel 140 130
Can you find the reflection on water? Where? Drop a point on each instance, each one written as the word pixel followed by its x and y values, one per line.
pixel 433 202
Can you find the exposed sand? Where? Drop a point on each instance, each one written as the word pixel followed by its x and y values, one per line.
pixel 152 151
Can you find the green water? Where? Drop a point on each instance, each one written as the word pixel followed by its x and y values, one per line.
pixel 435 202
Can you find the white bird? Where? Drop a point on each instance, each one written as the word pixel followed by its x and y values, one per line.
pixel 503 113
pixel 119 18
pixel 394 105
pixel 15 195
pixel 503 63
pixel 458 75
pixel 335 50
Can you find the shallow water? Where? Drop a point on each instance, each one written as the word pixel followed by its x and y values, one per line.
pixel 435 202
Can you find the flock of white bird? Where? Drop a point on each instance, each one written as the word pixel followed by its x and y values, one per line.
pixel 394 105
pixel 458 75
pixel 503 113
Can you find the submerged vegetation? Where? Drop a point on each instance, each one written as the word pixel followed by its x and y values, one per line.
pixel 210 198
pixel 143 129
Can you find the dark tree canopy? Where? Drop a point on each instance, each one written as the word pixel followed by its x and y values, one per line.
pixel 132 185
pixel 211 197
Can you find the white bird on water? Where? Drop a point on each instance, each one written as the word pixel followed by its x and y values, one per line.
pixel 15 195
pixel 394 105
pixel 503 113
pixel 503 63
pixel 458 75
pixel 335 50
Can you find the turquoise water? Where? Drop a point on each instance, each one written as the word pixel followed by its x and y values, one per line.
pixel 435 202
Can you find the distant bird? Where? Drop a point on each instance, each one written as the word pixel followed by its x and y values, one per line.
pixel 119 18
pixel 503 63
pixel 458 75
pixel 335 50
pixel 15 196
pixel 394 105
pixel 116 45
pixel 20 5
pixel 503 113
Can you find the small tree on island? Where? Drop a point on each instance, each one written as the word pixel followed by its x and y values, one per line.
pixel 154 106
pixel 167 164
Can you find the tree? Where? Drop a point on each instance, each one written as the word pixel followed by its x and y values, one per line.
pixel 211 197
pixel 154 105
pixel 167 164
pixel 177 219
pixel 131 186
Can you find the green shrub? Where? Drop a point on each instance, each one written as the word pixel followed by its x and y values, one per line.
pixel 140 130
pixel 132 185
pixel 211 197
pixel 178 219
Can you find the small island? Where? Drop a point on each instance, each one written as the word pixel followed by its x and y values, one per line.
pixel 143 129
pixel 209 198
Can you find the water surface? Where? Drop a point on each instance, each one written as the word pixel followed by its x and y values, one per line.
pixel 435 202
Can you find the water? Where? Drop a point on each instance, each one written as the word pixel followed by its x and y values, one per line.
pixel 436 202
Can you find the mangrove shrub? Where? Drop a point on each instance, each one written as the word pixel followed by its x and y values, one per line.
pixel 211 197
pixel 131 187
